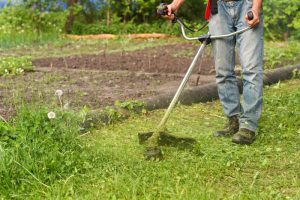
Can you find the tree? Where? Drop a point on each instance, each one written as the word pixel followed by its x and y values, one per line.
pixel 70 18
pixel 282 18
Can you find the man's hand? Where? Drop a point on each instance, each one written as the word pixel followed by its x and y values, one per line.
pixel 257 5
pixel 170 15
pixel 173 8
pixel 255 21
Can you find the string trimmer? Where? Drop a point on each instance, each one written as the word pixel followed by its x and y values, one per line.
pixel 160 136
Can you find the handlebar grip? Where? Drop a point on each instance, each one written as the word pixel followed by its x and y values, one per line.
pixel 162 9
pixel 250 15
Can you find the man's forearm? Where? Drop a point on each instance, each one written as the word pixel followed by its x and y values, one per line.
pixel 257 5
pixel 175 5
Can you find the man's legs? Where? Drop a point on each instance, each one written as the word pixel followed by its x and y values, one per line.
pixel 224 57
pixel 250 45
pixel 230 18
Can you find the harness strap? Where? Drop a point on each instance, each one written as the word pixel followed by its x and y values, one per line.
pixel 211 8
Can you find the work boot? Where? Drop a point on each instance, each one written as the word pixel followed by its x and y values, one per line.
pixel 231 128
pixel 244 136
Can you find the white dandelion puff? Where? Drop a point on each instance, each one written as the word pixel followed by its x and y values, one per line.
pixel 67 106
pixel 51 115
pixel 59 93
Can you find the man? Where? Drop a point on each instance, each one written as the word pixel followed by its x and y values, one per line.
pixel 228 16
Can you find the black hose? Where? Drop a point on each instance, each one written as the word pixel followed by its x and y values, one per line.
pixel 187 27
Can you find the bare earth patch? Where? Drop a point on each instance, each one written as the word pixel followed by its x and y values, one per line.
pixel 99 80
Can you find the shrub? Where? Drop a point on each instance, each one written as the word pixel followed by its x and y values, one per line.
pixel 282 19
pixel 21 19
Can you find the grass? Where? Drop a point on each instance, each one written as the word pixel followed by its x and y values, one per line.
pixel 108 163
pixel 281 53
pixel 21 40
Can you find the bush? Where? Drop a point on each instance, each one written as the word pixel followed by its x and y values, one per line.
pixel 21 19
pixel 21 25
pixel 124 28
pixel 282 19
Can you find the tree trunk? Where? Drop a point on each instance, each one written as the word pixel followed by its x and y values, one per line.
pixel 108 17
pixel 285 36
pixel 70 18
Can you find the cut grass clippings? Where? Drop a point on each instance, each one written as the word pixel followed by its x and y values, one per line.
pixel 113 166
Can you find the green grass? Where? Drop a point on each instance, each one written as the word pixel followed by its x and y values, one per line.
pixel 281 53
pixel 109 164
pixel 21 40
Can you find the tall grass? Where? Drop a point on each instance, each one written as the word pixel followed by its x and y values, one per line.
pixel 13 40
pixel 36 152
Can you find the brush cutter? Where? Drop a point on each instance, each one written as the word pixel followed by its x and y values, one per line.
pixel 160 136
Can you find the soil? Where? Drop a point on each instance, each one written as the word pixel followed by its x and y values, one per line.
pixel 99 80
pixel 163 59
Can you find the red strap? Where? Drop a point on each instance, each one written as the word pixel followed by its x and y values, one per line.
pixel 207 11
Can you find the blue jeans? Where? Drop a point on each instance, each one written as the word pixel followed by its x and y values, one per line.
pixel 230 18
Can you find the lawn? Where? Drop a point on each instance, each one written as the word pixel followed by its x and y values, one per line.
pixel 108 163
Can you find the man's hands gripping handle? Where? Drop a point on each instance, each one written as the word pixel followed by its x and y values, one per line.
pixel 164 10
pixel 167 12
pixel 250 15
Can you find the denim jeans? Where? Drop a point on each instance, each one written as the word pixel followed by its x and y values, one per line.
pixel 230 18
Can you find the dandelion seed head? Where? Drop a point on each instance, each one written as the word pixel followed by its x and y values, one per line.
pixel 58 93
pixel 67 106
pixel 51 115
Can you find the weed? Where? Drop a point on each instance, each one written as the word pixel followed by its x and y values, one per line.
pixel 296 73
pixel 131 105
pixel 278 54
pixel 15 66
pixel 113 114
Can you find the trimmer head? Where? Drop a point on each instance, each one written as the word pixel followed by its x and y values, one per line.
pixel 164 139
pixel 167 139
pixel 153 153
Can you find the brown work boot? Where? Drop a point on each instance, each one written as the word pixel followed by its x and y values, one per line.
pixel 231 128
pixel 244 136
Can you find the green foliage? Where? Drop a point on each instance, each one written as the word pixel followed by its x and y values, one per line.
pixel 138 11
pixel 124 28
pixel 23 25
pixel 22 19
pixel 296 73
pixel 130 105
pixel 113 115
pixel 282 18
pixel 15 65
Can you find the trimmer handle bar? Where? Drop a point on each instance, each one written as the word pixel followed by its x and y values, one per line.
pixel 162 10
